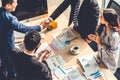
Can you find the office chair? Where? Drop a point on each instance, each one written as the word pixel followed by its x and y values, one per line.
pixel 114 5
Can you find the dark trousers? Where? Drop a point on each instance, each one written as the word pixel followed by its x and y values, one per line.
pixel 7 67
pixel 117 74
pixel 2 74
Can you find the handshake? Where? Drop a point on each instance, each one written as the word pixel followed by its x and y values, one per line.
pixel 49 24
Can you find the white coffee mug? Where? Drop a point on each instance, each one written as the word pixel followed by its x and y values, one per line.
pixel 75 49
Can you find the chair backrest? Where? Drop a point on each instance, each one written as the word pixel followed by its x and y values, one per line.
pixel 114 5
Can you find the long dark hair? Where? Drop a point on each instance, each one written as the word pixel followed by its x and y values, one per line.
pixel 111 16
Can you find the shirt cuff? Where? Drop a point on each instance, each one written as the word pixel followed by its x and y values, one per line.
pixel 50 19
pixel 41 27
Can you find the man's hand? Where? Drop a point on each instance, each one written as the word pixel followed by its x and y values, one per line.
pixel 43 55
pixel 44 23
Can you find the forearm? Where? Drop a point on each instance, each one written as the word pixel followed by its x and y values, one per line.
pixel 63 6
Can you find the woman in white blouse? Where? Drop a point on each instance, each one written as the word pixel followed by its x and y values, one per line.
pixel 109 40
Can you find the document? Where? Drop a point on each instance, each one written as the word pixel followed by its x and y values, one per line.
pixel 91 68
pixel 63 38
pixel 72 73
pixel 55 61
pixel 88 63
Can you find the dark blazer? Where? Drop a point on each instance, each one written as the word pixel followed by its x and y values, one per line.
pixel 29 68
pixel 87 17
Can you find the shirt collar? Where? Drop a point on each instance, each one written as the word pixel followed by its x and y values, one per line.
pixel 30 54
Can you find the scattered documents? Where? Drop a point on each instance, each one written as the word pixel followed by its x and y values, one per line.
pixel 91 68
pixel 55 61
pixel 62 39
pixel 89 63
pixel 72 73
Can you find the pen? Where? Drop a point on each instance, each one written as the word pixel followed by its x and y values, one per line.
pixel 54 64
pixel 61 69
pixel 94 73
pixel 56 76
pixel 97 76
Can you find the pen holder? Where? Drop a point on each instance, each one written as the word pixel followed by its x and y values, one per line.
pixel 75 49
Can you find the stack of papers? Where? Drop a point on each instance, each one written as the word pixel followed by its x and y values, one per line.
pixel 72 73
pixel 63 38
pixel 89 63
pixel 58 73
pixel 64 35
pixel 55 61
pixel 91 68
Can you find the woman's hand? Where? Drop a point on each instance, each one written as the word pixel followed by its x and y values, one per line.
pixel 98 40
pixel 92 37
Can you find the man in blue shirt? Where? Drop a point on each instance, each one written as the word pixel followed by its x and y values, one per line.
pixel 9 23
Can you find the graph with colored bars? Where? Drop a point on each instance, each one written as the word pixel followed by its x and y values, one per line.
pixel 55 61
pixel 91 68
pixel 62 39
pixel 98 75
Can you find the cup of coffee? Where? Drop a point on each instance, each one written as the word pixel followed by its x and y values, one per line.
pixel 75 49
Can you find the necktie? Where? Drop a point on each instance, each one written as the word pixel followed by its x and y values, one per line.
pixel 75 15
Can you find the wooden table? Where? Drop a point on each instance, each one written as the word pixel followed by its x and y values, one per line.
pixel 84 50
pixel 84 47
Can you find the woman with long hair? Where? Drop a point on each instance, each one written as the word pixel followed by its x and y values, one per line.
pixel 109 40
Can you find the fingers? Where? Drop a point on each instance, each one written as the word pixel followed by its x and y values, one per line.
pixel 45 23
pixel 43 55
pixel 116 28
pixel 92 37
pixel 88 40
pixel 46 55
pixel 39 54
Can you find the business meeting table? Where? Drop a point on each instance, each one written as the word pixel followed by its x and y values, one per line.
pixel 69 58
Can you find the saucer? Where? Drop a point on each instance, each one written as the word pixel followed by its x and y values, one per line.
pixel 75 49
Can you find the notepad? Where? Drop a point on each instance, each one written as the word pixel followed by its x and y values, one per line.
pixel 55 61
pixel 91 68
pixel 72 73
pixel 59 72
pixel 89 63
pixel 64 36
